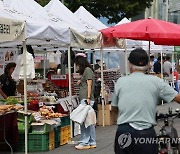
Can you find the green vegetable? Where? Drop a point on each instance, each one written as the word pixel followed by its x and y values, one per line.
pixel 11 101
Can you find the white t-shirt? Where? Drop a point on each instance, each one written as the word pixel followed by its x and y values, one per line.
pixel 167 66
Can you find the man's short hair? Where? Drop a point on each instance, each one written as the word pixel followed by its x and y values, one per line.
pixel 151 57
pixel 168 58
pixel 159 58
pixel 138 57
pixel 98 60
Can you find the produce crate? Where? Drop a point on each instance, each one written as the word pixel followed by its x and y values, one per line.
pixel 65 121
pixel 51 140
pixel 65 135
pixel 38 142
pixel 21 127
pixel 41 128
pixel 20 144
pixel 21 117
pixel 57 136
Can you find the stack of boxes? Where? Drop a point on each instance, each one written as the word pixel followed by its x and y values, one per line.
pixel 45 137
pixel 110 76
pixel 110 117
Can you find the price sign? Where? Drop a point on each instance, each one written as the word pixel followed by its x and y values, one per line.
pixel 58 77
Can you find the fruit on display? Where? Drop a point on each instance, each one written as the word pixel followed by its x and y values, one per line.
pixel 32 94
pixel 48 99
pixel 48 113
pixel 34 101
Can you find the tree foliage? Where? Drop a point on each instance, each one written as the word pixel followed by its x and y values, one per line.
pixel 113 10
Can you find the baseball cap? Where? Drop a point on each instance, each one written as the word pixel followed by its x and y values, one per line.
pixel 138 57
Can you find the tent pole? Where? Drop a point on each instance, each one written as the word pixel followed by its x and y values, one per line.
pixel 172 61
pixel 102 85
pixel 25 96
pixel 70 89
pixel 93 57
pixel 108 59
pixel 161 64
pixel 45 56
pixel 126 61
pixel 149 52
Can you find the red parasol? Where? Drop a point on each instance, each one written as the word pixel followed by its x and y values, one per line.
pixel 158 31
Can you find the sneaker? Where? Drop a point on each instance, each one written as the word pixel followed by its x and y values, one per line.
pixel 92 146
pixel 82 147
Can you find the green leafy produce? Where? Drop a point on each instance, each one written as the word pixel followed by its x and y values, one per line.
pixel 11 101
pixel 2 100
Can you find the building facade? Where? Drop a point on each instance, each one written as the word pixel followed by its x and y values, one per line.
pixel 174 11
pixel 168 10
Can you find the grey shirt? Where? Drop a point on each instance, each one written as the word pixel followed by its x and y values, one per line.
pixel 136 97
pixel 83 91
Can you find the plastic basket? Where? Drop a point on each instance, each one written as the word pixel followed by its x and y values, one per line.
pixel 20 144
pixel 38 142
pixel 21 127
pixel 65 121
pixel 21 117
pixel 65 135
pixel 51 140
pixel 40 129
pixel 57 136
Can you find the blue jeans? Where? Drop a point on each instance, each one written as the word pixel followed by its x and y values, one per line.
pixel 88 135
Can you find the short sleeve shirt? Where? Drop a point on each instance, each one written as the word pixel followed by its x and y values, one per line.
pixel 167 66
pixel 8 85
pixel 136 97
pixel 83 91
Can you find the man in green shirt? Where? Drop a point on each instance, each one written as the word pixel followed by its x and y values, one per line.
pixel 135 98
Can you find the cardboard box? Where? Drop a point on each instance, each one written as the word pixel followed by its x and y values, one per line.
pixel 106 107
pixel 108 118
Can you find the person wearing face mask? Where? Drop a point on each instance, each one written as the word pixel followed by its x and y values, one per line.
pixel 7 84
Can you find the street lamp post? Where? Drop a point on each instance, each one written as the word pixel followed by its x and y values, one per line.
pixel 167 8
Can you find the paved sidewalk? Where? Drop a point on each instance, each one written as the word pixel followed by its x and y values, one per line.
pixel 105 137
pixel 105 141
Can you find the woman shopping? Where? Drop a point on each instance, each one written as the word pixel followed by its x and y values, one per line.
pixel 86 83
pixel 7 84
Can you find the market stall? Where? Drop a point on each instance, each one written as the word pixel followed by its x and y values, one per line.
pixel 50 33
pixel 12 30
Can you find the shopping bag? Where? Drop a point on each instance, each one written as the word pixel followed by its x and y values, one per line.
pixel 90 118
pixel 80 113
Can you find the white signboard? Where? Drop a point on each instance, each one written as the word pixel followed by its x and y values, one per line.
pixel 11 30
pixel 7 55
pixel 58 77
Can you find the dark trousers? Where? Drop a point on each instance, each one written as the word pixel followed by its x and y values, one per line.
pixel 131 141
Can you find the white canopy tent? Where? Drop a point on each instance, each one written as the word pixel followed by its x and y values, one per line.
pixel 68 34
pixel 37 31
pixel 87 18
pixel 123 21
pixel 81 34
pixel 55 7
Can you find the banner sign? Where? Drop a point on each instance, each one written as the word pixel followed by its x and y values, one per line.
pixel 86 40
pixel 11 30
